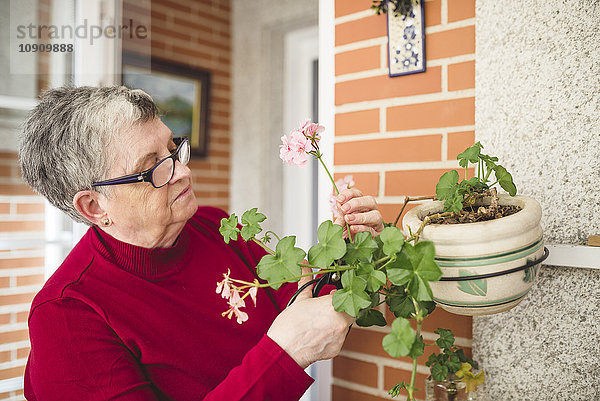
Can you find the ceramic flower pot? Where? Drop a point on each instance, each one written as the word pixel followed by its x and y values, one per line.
pixel 488 267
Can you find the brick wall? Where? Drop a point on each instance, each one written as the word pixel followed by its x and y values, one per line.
pixel 21 267
pixel 198 34
pixel 396 136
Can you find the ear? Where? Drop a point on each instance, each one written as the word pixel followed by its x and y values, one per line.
pixel 88 205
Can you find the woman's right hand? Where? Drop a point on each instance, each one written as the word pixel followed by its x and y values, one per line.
pixel 310 329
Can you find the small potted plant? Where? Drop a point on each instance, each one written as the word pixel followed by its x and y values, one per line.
pixel 488 246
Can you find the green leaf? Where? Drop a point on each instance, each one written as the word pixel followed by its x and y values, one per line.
pixel 284 266
pixel 395 391
pixel 374 278
pixel 399 342
pixel 439 372
pixel 250 220
pixel 229 229
pixel 433 359
pixel 453 363
pixel 392 239
pixel 447 185
pixel 418 348
pixel 505 180
pixel 415 267
pixel 399 302
pixel 446 339
pixel 470 154
pixel 370 317
pixel 352 297
pixel 361 249
pixel 472 287
pixel 331 245
pixel 454 204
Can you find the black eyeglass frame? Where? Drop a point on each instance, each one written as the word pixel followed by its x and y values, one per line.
pixel 146 175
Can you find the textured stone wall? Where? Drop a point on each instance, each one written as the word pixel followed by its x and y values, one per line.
pixel 538 110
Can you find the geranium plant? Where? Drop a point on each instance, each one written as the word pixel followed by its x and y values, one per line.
pixel 391 269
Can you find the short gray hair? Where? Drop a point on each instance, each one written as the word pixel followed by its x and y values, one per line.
pixel 66 139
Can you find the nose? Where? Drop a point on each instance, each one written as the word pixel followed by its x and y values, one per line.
pixel 181 172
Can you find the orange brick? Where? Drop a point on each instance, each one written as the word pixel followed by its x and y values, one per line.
pixel 367 183
pixel 26 208
pixel 450 43
pixel 4 356
pixel 355 371
pixel 384 87
pixel 460 9
pixel 12 372
pixel 445 113
pixel 22 353
pixel 414 182
pixel 30 280
pixel 365 341
pixel 374 26
pixel 461 76
pixel 12 226
pixel 21 262
pixel 13 336
pixel 4 208
pixel 408 149
pixel 357 122
pixel 22 317
pixel 461 326
pixel 339 393
pixel 433 12
pixel 391 376
pixel 16 189
pixel 4 282
pixel 345 7
pixel 6 171
pixel 5 318
pixel 357 60
pixel 8 156
pixel 458 142
pixel 390 212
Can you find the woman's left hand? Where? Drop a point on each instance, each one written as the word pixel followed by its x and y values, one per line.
pixel 359 211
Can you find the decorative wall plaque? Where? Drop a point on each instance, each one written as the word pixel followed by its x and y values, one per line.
pixel 406 41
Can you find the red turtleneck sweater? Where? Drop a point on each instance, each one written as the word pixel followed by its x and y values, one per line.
pixel 122 322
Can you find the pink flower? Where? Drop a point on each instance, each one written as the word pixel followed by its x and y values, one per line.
pixel 223 287
pixel 253 292
pixel 235 303
pixel 313 130
pixel 294 151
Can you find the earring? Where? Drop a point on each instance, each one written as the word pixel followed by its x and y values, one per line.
pixel 106 222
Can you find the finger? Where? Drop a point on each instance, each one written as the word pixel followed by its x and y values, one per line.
pixel 371 218
pixel 359 228
pixel 358 204
pixel 348 194
pixel 307 292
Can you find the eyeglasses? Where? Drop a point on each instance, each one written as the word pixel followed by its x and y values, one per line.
pixel 161 173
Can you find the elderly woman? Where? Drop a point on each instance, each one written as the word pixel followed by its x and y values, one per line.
pixel 132 313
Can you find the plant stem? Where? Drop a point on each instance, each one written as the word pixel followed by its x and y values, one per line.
pixel 410 199
pixel 340 269
pixel 419 318
pixel 263 246
pixel 276 236
pixel 337 191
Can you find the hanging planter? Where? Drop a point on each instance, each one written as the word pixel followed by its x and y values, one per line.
pixel 487 266
pixel 488 246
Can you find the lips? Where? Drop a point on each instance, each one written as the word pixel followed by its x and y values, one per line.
pixel 183 193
